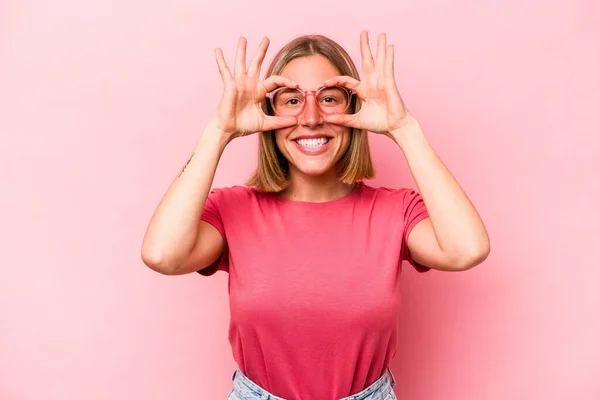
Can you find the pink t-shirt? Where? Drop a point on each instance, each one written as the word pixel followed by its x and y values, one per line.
pixel 314 288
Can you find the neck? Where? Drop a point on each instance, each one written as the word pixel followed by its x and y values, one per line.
pixel 315 189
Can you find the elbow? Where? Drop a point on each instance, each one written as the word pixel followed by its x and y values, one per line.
pixel 473 257
pixel 156 262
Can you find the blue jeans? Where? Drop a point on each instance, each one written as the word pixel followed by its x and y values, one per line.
pixel 245 389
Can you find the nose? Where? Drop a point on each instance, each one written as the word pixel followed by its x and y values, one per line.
pixel 311 115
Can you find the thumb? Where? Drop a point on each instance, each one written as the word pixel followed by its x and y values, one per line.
pixel 276 122
pixel 348 120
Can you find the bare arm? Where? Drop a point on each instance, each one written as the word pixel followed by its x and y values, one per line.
pixel 454 237
pixel 176 240
pixel 173 231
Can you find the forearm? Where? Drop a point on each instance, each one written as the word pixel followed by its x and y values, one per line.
pixel 457 225
pixel 173 229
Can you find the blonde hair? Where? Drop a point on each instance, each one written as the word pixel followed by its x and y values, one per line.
pixel 272 172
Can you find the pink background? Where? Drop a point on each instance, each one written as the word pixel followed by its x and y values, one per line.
pixel 102 102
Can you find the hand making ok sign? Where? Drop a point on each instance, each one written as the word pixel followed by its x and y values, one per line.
pixel 383 110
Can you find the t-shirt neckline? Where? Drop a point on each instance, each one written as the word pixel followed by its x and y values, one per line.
pixel 353 193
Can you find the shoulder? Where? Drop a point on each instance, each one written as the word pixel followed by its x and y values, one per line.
pixel 236 194
pixel 238 203
pixel 232 191
pixel 389 195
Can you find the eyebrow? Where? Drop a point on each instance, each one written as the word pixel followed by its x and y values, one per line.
pixel 287 89
pixel 304 90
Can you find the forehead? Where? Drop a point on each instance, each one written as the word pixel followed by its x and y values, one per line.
pixel 310 72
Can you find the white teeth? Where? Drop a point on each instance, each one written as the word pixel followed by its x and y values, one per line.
pixel 312 143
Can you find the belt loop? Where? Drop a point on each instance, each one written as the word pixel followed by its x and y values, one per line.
pixel 392 376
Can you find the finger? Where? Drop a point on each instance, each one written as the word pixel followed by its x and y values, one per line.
pixel 345 81
pixel 223 68
pixel 380 58
pixel 389 60
pixel 349 120
pixel 275 122
pixel 240 58
pixel 257 60
pixel 365 52
pixel 275 81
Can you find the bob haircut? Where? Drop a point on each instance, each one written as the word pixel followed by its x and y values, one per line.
pixel 272 172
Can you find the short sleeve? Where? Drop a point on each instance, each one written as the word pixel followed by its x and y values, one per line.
pixel 414 212
pixel 212 215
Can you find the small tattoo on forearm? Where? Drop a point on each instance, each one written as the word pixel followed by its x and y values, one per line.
pixel 186 164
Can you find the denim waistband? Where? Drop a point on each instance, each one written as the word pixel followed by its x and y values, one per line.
pixel 375 391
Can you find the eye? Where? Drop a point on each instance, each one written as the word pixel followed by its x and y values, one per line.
pixel 287 98
pixel 332 96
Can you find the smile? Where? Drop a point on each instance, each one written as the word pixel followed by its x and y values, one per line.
pixel 312 143
pixel 313 146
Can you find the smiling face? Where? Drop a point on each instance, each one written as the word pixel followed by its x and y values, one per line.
pixel 312 147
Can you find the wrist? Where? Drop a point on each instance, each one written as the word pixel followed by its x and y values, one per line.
pixel 214 137
pixel 406 133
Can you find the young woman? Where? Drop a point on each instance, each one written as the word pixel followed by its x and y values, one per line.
pixel 313 253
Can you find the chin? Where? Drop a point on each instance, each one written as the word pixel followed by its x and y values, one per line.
pixel 313 166
pixel 313 171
